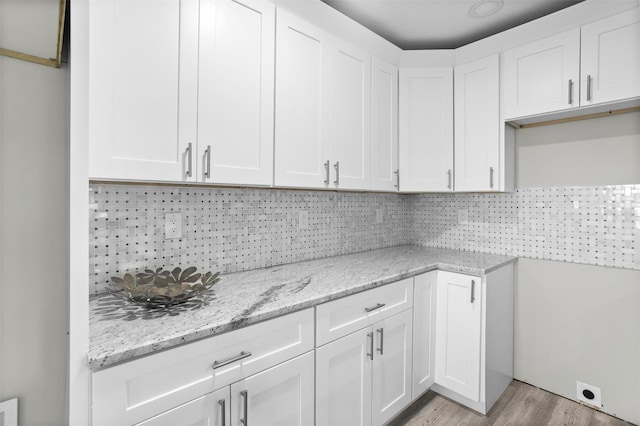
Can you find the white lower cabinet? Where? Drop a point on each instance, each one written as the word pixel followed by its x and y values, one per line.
pixel 424 332
pixel 282 395
pixel 210 409
pixel 365 378
pixel 474 337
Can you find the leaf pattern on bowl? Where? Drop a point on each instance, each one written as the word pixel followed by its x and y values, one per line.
pixel 159 287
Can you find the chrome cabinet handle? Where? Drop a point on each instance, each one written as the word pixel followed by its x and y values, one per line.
pixel 589 87
pixel 370 337
pixel 490 177
pixel 449 179
pixel 378 306
pixel 337 167
pixel 473 285
pixel 381 348
pixel 245 397
pixel 242 355
pixel 570 92
pixel 326 171
pixel 222 411
pixel 397 173
pixel 207 154
pixel 189 171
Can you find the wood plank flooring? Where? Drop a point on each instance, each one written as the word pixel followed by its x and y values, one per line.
pixel 520 404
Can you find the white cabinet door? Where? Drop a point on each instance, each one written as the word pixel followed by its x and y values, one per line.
pixel 211 409
pixel 343 380
pixel 477 127
pixel 281 395
pixel 391 387
pixel 349 116
pixel 458 333
pixel 301 151
pixel 610 58
pixel 384 126
pixel 143 89
pixel 236 91
pixel 543 76
pixel 426 129
pixel 424 332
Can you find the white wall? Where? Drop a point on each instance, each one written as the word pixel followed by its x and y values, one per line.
pixel 578 322
pixel 34 239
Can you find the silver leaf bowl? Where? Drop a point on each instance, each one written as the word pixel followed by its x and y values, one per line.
pixel 163 288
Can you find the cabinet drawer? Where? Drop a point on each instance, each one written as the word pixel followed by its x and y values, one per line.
pixel 145 387
pixel 343 316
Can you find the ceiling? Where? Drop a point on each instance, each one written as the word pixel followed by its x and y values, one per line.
pixel 443 24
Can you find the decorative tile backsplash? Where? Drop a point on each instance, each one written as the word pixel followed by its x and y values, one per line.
pixel 239 229
pixel 229 230
pixel 596 225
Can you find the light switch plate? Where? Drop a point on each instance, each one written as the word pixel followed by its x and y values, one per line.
pixel 463 216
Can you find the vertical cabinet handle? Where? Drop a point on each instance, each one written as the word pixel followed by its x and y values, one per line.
pixel 189 171
pixel 337 167
pixel 223 414
pixel 326 172
pixel 381 347
pixel 370 337
pixel 449 178
pixel 570 92
pixel 473 285
pixel 490 177
pixel 589 87
pixel 245 397
pixel 207 154
pixel 397 173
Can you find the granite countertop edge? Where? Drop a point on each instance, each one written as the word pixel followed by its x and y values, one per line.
pixel 100 357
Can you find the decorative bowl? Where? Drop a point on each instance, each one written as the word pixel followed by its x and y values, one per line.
pixel 163 288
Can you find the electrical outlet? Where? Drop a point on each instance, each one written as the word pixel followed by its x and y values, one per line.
pixel 463 216
pixel 173 225
pixel 379 215
pixel 589 394
pixel 303 219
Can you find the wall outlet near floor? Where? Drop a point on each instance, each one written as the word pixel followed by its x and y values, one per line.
pixel 379 215
pixel 303 219
pixel 172 225
pixel 589 394
pixel 463 216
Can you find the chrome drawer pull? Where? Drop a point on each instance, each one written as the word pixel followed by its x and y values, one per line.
pixel 207 154
pixel 473 285
pixel 378 306
pixel 397 173
pixel 189 171
pixel 381 348
pixel 326 171
pixel 243 355
pixel 337 167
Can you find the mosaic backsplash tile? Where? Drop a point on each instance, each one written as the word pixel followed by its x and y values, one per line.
pixel 230 230
pixel 596 225
pixel 240 229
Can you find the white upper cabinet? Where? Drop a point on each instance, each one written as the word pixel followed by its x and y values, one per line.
pixel 477 125
pixel 143 90
pixel 610 59
pixel 236 90
pixel 543 76
pixel 349 116
pixel 426 130
pixel 301 151
pixel 384 126
pixel 323 115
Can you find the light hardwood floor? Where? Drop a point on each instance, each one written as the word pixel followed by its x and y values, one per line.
pixel 521 404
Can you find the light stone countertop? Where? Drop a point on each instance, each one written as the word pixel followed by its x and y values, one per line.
pixel 120 331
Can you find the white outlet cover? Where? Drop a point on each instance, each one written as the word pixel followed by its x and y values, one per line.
pixel 597 394
pixel 173 225
pixel 303 219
